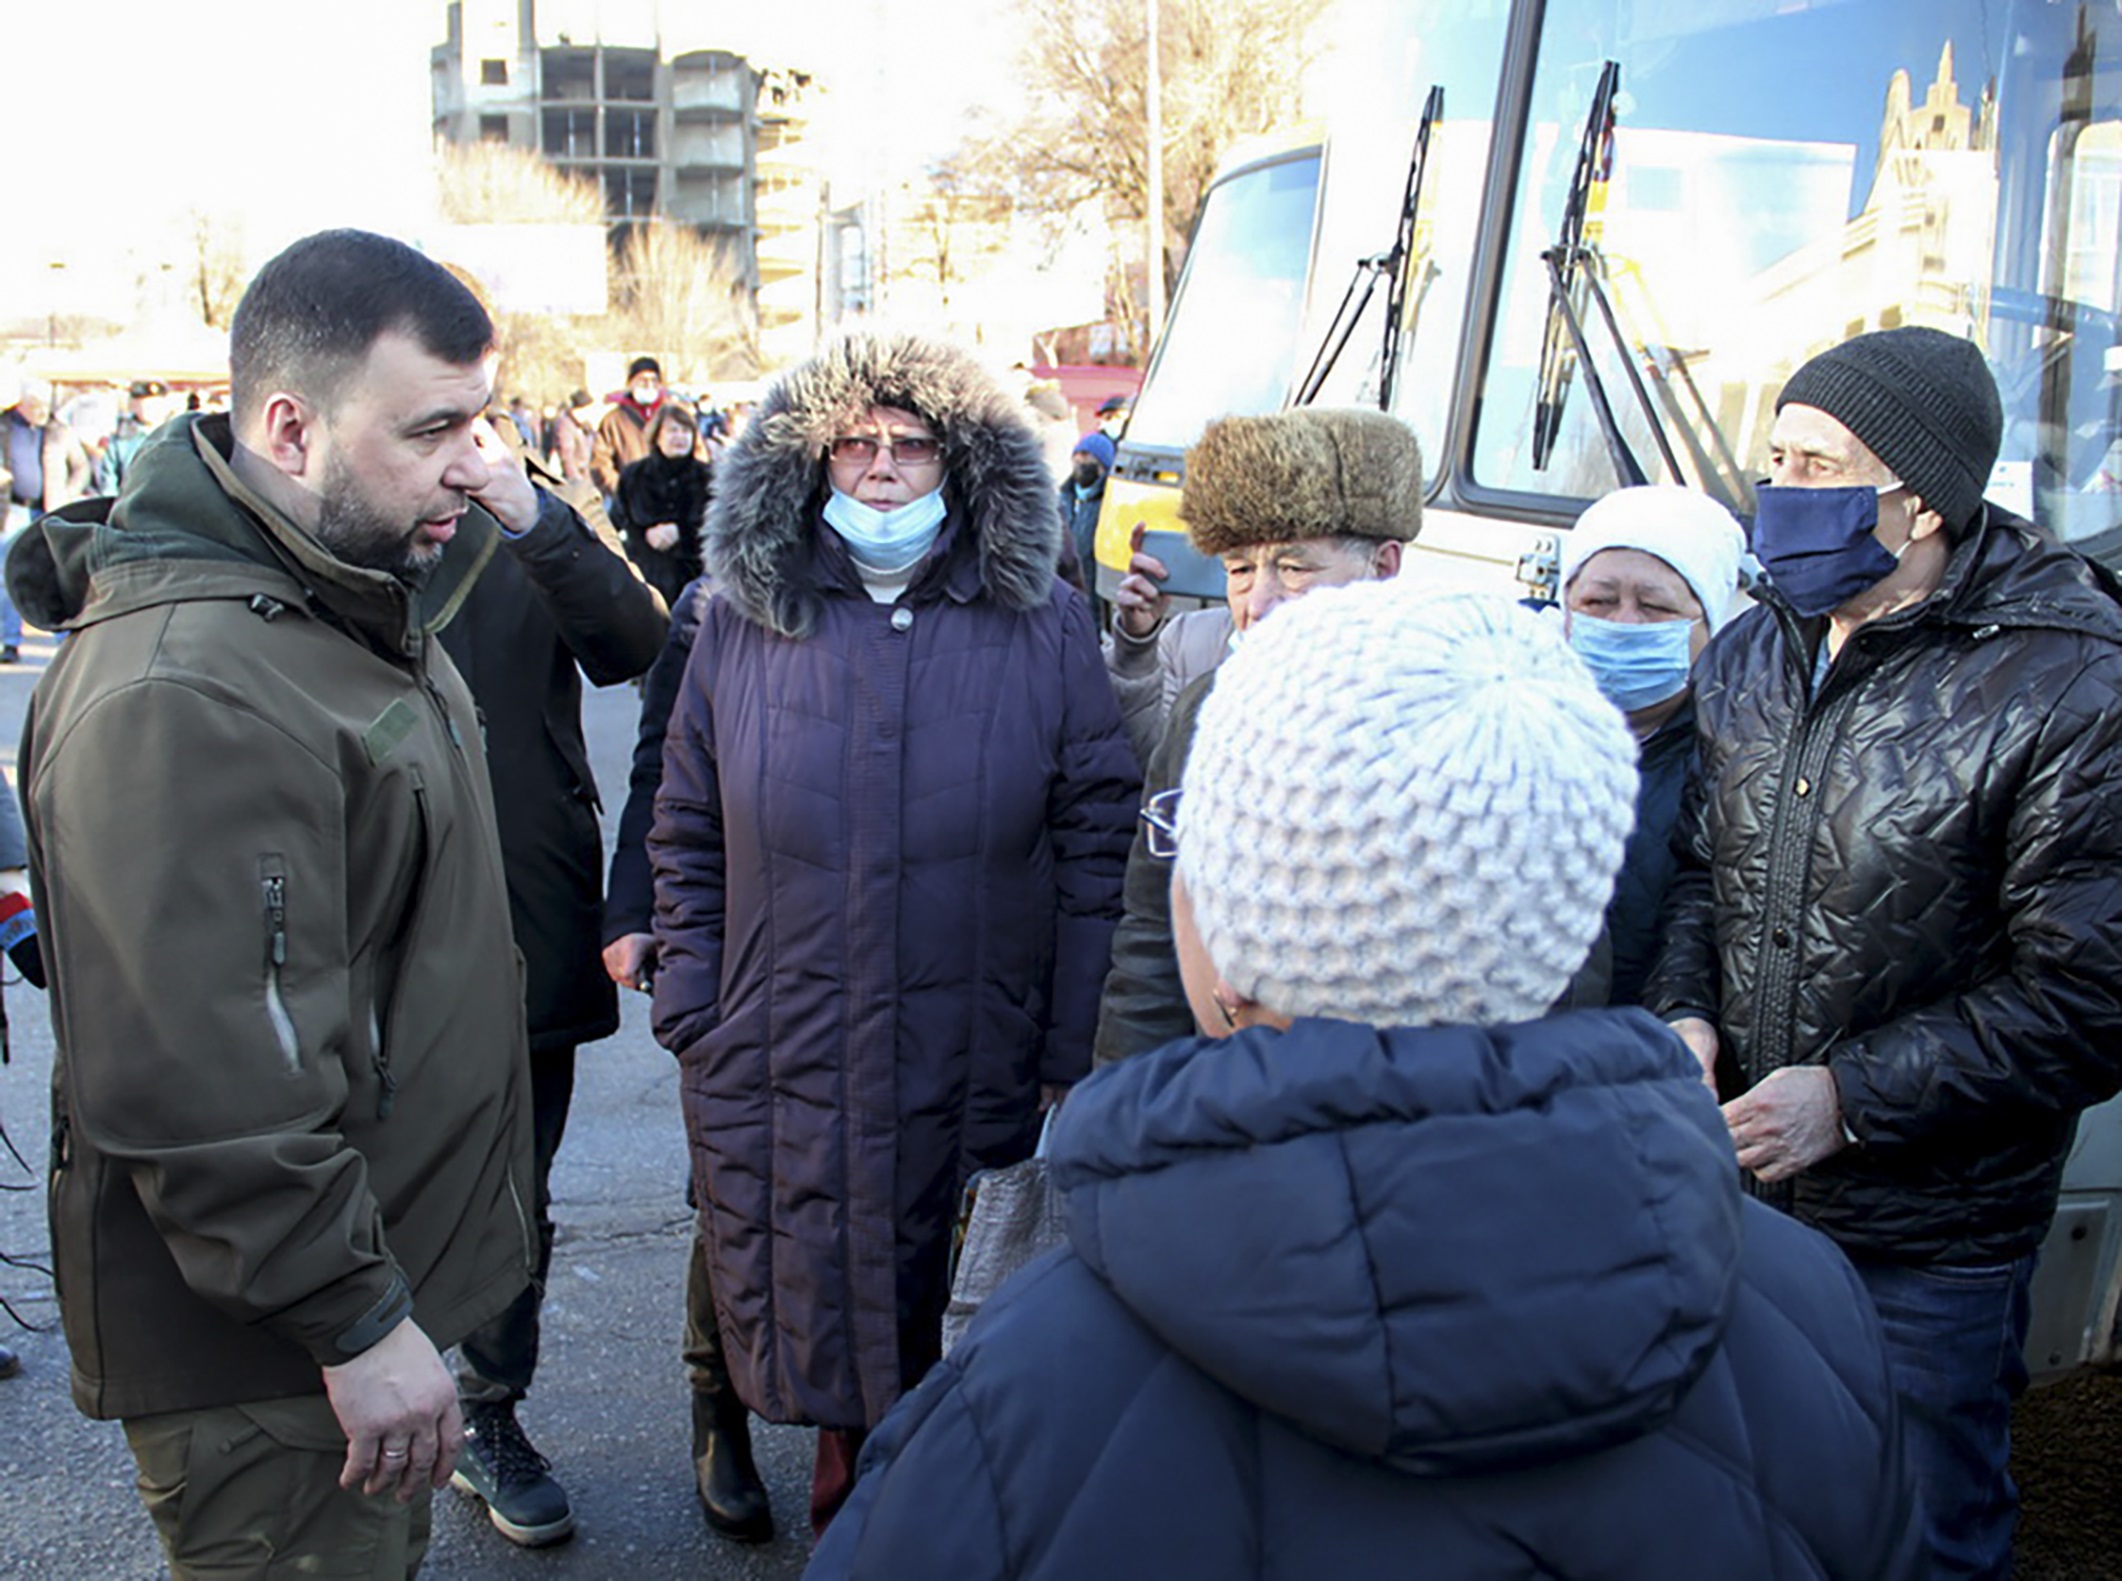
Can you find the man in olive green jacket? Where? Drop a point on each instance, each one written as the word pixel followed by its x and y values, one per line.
pixel 291 1153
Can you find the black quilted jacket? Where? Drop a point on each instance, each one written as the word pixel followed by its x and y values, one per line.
pixel 1913 874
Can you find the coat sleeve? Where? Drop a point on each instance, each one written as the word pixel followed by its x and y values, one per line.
pixel 1144 1004
pixel 612 621
pixel 199 1060
pixel 629 894
pixel 604 456
pixel 1090 816
pixel 687 859
pixel 1139 687
pixel 2038 1033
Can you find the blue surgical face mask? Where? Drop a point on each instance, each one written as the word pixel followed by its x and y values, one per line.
pixel 1636 663
pixel 886 542
pixel 1817 544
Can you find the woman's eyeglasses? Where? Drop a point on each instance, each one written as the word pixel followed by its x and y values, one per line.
pixel 911 450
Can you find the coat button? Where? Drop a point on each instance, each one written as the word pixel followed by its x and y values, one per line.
pixel 1805 787
pixel 1782 938
pixel 902 619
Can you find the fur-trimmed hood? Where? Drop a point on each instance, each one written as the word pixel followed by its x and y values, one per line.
pixel 762 527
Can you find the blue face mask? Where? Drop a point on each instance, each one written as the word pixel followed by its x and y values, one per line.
pixel 1817 544
pixel 886 542
pixel 1636 663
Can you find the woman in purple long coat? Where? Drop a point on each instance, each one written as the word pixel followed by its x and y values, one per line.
pixel 895 812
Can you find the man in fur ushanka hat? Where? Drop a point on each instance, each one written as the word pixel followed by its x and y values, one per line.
pixel 888 843
pixel 1293 501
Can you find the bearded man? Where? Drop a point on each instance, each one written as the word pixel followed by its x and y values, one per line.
pixel 290 1156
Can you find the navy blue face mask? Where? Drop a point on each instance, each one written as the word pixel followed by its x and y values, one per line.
pixel 1817 544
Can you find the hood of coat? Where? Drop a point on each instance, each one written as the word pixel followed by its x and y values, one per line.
pixel 186 527
pixel 1447 1249
pixel 770 486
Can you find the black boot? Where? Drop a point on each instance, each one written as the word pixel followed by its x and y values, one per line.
pixel 731 1493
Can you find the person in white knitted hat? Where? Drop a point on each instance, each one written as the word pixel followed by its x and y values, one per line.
pixel 1648 574
pixel 1392 1271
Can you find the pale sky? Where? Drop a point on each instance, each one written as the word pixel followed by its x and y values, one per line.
pixel 129 114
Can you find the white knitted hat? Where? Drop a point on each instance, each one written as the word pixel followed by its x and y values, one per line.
pixel 1404 808
pixel 1689 531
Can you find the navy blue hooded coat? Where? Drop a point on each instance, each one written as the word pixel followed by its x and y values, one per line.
pixel 887 849
pixel 1454 1303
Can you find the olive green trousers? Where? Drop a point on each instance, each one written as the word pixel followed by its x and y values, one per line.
pixel 253 1491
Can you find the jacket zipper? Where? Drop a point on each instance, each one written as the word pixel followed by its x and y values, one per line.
pixel 1790 842
pixel 273 880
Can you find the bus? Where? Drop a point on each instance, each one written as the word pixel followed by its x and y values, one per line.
pixel 1723 190
pixel 1577 244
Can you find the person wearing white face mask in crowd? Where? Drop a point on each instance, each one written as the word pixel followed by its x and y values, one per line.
pixel 622 437
pixel 895 803
pixel 1648 575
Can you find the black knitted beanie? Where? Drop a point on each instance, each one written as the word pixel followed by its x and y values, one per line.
pixel 1924 403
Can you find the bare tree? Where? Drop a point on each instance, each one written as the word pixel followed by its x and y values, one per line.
pixel 1231 69
pixel 495 184
pixel 685 297
pixel 217 266
pixel 954 218
pixel 543 355
pixel 674 292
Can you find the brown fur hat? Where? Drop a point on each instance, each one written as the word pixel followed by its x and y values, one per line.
pixel 1304 473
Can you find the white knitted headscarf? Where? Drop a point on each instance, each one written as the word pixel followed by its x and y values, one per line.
pixel 1689 531
pixel 1404 808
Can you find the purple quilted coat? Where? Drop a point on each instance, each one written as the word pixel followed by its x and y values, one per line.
pixel 888 851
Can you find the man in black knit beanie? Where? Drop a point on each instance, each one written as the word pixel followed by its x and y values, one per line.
pixel 1895 938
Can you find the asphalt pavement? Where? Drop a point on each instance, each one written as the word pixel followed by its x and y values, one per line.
pixel 609 1407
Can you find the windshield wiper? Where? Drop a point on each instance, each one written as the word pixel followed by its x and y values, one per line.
pixel 1574 277
pixel 1563 347
pixel 1395 264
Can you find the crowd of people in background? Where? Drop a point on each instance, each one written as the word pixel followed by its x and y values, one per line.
pixel 1554 1087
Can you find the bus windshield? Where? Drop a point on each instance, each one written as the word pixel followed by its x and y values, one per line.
pixel 1231 342
pixel 1783 176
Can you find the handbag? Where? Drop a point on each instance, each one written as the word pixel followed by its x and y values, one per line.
pixel 1006 1218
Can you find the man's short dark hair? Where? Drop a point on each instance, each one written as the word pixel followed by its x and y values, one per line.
pixel 313 312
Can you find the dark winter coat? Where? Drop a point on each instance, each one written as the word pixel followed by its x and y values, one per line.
pixel 553 605
pixel 629 889
pixel 660 488
pixel 290 1101
pixel 1143 1004
pixel 887 855
pixel 1628 944
pixel 1343 1303
pixel 1646 872
pixel 1079 530
pixel 1913 875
